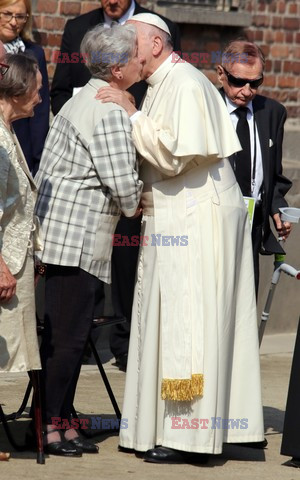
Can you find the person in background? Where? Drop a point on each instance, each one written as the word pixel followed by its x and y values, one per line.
pixel 258 167
pixel 16 35
pixel 68 78
pixel 20 82
pixel 87 177
pixel 290 444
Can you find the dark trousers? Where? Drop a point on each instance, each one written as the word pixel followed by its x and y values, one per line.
pixel 70 298
pixel 291 431
pixel 124 261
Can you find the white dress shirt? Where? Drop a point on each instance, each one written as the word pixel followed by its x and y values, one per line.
pixel 257 176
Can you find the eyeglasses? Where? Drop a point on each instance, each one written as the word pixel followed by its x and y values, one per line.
pixel 3 69
pixel 19 17
pixel 241 82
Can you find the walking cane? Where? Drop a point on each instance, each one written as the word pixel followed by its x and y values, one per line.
pixel 292 215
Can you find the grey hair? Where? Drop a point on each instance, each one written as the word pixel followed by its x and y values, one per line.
pixel 165 37
pixel 241 46
pixel 20 77
pixel 103 48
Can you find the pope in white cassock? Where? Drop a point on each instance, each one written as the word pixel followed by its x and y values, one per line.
pixel 193 375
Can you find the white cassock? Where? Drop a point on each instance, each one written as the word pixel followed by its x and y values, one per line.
pixel 193 376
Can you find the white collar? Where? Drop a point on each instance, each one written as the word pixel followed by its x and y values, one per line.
pixel 162 70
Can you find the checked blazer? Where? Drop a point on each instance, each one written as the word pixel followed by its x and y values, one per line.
pixel 87 177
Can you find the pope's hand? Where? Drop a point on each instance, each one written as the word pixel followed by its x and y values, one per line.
pixel 122 98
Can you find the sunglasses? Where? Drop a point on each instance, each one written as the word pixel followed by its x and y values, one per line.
pixel 241 82
pixel 3 69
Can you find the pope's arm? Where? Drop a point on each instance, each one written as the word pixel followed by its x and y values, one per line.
pixel 153 144
pixel 114 157
pixel 191 123
pixel 191 120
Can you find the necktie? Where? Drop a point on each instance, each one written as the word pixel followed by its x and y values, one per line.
pixel 243 158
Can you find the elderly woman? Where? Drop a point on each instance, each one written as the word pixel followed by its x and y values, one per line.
pixel 87 177
pixel 19 94
pixel 16 35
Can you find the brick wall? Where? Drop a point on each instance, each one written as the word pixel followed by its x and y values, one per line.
pixel 50 17
pixel 275 28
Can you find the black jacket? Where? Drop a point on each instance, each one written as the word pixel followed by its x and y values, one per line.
pixel 70 75
pixel 32 131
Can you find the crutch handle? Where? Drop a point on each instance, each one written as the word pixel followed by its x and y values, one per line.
pixel 288 269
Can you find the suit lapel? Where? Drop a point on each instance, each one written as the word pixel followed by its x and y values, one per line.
pixel 263 130
pixel 97 18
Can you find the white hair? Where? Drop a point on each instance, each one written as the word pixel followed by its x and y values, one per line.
pixel 103 48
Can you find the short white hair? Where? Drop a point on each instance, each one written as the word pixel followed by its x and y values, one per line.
pixel 104 48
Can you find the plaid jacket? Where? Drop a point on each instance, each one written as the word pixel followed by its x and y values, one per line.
pixel 87 176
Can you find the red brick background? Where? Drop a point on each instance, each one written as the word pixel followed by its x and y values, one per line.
pixel 275 29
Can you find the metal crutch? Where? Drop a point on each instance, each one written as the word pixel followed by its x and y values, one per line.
pixel 292 215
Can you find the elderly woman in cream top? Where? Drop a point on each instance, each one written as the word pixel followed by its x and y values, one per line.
pixel 19 93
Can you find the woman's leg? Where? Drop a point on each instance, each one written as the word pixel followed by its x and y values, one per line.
pixel 69 308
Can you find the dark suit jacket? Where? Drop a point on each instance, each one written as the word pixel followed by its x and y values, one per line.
pixel 270 117
pixel 290 436
pixel 70 75
pixel 32 131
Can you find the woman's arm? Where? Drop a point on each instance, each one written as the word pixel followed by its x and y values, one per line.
pixel 7 282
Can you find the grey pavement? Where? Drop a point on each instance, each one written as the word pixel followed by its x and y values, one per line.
pixel 235 463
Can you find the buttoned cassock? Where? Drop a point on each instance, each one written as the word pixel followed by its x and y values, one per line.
pixel 87 177
pixel 194 312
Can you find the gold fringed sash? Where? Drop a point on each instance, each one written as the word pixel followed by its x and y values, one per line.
pixel 184 389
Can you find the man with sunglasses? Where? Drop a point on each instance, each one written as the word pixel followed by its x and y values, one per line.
pixel 259 122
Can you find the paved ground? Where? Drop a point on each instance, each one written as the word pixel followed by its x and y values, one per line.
pixel 235 463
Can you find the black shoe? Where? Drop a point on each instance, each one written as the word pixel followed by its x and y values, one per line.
pixel 121 362
pixel 125 449
pixel 295 462
pixel 63 449
pixel 84 445
pixel 257 445
pixel 168 455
